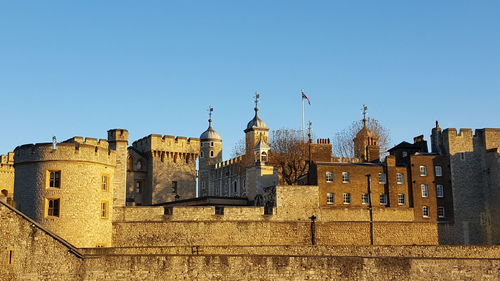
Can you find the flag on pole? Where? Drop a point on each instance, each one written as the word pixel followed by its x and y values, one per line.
pixel 306 97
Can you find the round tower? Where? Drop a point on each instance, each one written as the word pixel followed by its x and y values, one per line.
pixel 210 154
pixel 67 188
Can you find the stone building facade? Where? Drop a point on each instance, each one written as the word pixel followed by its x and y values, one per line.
pixel 474 163
pixel 245 176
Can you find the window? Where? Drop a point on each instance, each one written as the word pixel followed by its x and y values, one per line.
pixel 138 165
pixel 439 171
pixel 55 179
pixel 219 210
pixel 212 143
pixel 174 187
pixel 425 190
pixel 10 256
pixel 263 157
pixel 347 198
pixel 439 190
pixel 400 178
pixel 405 153
pixel 53 207
pixel 201 154
pixel 441 213
pixel 401 199
pixel 382 178
pixel 462 155
pixel 211 153
pixel 330 198
pixel 235 187
pixel 383 199
pixel 104 210
pixel 345 177
pixel 104 183
pixel 423 171
pixel 425 212
pixel 329 177
pixel 138 186
pixel 365 198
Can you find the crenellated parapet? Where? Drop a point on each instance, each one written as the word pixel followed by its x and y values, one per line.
pixel 168 143
pixel 75 149
pixel 7 162
pixel 232 161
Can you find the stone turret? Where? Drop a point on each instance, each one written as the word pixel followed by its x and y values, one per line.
pixel 255 131
pixel 210 154
pixel 118 141
pixel 366 146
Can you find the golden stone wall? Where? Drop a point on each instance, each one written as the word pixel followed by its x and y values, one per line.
pixel 81 167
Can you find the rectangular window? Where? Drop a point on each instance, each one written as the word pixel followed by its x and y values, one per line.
pixel 405 154
pixel 53 207
pixel 383 199
pixel 174 187
pixel 382 178
pixel 441 213
pixel 9 257
pixel 425 190
pixel 330 198
pixel 425 212
pixel 138 186
pixel 347 198
pixel 400 178
pixel 55 179
pixel 439 171
pixel 462 155
pixel 401 199
pixel 329 177
pixel 219 210
pixel 423 171
pixel 345 177
pixel 439 190
pixel 364 198
pixel 104 183
pixel 104 209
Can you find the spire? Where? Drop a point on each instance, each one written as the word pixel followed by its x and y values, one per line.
pixel 365 112
pixel 256 122
pixel 210 133
pixel 257 96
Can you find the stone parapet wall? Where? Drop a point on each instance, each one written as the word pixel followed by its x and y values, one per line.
pixel 245 233
pixel 167 143
pixel 71 151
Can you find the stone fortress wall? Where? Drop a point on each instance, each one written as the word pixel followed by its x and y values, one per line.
pixel 30 252
pixel 289 224
pixel 474 176
pixel 82 163
pixel 169 159
pixel 7 176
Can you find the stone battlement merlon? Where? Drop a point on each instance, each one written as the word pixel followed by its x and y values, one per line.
pixel 167 143
pixel 65 151
pixel 7 159
pixel 101 143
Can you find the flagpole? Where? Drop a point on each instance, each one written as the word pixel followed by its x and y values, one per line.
pixel 302 97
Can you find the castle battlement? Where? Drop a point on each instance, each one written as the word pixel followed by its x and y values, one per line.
pixel 345 160
pixel 102 143
pixel 229 162
pixel 7 159
pixel 65 151
pixel 155 142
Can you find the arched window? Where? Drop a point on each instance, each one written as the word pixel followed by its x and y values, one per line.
pixel 211 153
pixel 138 165
pixel 235 186
pixel 4 193
pixel 257 156
pixel 263 156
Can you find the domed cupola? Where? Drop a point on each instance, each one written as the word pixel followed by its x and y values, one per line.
pixel 210 133
pixel 256 122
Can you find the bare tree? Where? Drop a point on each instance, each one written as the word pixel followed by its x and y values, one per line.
pixel 343 144
pixel 238 149
pixel 289 154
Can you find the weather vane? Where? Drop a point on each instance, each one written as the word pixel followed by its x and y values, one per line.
pixel 309 129
pixel 365 109
pixel 257 96
pixel 210 110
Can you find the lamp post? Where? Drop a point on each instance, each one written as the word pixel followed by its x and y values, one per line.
pixel 370 208
pixel 313 229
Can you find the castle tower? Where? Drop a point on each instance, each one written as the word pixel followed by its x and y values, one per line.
pixel 118 141
pixel 68 188
pixel 256 131
pixel 437 140
pixel 366 146
pixel 261 175
pixel 210 154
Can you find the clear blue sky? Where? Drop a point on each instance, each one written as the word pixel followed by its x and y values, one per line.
pixel 82 67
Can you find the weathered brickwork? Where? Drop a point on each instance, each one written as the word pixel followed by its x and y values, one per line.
pixel 79 215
